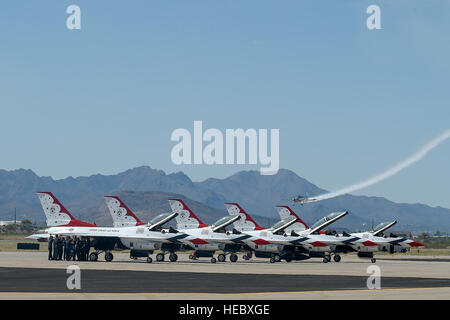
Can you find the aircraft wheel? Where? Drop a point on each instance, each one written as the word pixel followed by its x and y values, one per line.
pixel 149 260
pixel 160 257
pixel 245 257
pixel 109 256
pixel 288 259
pixel 325 260
pixel 373 260
pixel 93 256
pixel 277 258
pixel 213 260
pixel 173 257
pixel 337 258
pixel 272 260
pixel 221 257
pixel 233 257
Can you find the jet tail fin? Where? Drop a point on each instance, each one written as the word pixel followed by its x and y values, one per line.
pixel 186 218
pixel 56 214
pixel 245 223
pixel 285 212
pixel 122 216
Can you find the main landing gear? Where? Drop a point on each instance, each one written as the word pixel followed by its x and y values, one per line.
pixel 93 256
pixel 173 257
pixel 327 258
pixel 222 257
pixel 109 256
pixel 275 258
pixel 160 257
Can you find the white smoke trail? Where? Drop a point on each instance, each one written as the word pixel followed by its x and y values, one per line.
pixel 422 152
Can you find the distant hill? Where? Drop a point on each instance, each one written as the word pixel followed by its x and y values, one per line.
pixel 146 191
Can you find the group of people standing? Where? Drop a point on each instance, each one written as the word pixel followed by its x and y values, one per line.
pixel 68 248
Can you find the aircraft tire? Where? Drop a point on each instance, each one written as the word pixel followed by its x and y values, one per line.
pixel 373 260
pixel 272 260
pixel 173 257
pixel 277 258
pixel 149 260
pixel 325 260
pixel 160 257
pixel 233 257
pixel 221 257
pixel 109 256
pixel 288 259
pixel 93 256
pixel 337 258
pixel 213 260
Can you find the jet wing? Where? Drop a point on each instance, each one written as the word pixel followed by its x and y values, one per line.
pixel 38 237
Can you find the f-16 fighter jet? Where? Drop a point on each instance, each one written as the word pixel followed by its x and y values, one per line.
pixel 123 217
pixel 204 239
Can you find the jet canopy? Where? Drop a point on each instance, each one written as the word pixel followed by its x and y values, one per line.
pixel 284 223
pixel 224 222
pixel 324 220
pixel 383 227
pixel 159 218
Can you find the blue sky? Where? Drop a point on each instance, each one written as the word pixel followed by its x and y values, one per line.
pixel 349 102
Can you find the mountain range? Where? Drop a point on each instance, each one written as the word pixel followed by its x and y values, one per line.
pixel 145 190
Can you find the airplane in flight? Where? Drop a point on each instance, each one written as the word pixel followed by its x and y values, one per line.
pixel 103 239
pixel 303 199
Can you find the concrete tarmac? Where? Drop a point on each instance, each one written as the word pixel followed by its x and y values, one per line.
pixel 29 275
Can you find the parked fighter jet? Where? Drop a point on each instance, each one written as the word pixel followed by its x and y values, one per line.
pixel 123 217
pixel 204 239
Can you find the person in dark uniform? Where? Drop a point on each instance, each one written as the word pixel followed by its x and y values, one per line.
pixel 50 247
pixel 63 253
pixel 55 248
pixel 68 243
pixel 59 245
pixel 74 245
pixel 83 249
pixel 78 249
pixel 88 248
